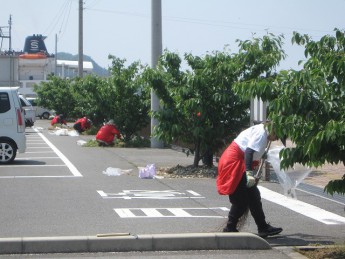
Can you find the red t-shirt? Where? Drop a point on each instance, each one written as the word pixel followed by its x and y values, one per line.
pixel 56 120
pixel 107 133
pixel 84 123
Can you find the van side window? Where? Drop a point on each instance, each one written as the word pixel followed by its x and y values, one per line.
pixel 4 103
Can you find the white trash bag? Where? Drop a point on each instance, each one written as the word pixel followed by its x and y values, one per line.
pixel 73 133
pixel 61 132
pixel 289 178
pixel 81 142
pixel 111 171
pixel 148 172
pixel 66 132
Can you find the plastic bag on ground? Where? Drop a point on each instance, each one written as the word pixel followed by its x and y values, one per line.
pixel 289 178
pixel 73 133
pixel 81 142
pixel 111 171
pixel 148 172
pixel 66 132
pixel 61 132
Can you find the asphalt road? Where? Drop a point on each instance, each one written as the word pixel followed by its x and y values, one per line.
pixel 58 188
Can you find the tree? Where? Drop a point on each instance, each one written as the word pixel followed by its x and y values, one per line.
pixel 56 94
pixel 130 100
pixel 308 106
pixel 94 98
pixel 199 107
pixel 121 97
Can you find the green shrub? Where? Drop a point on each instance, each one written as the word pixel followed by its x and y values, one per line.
pixel 136 141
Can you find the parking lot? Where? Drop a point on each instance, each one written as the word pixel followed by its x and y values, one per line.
pixel 40 156
pixel 58 188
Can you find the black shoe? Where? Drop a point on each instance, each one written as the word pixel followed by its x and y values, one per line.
pixel 269 231
pixel 230 230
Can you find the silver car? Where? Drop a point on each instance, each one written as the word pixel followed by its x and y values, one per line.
pixel 40 111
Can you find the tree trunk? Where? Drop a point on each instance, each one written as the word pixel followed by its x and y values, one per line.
pixel 207 158
pixel 197 154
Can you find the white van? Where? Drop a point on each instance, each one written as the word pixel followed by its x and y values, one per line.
pixel 12 125
pixel 29 111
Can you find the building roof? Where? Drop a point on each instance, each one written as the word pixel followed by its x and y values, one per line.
pixel 87 65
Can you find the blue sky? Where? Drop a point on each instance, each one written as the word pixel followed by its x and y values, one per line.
pixel 123 27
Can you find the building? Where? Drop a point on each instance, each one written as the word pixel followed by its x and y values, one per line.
pixel 34 65
pixel 69 68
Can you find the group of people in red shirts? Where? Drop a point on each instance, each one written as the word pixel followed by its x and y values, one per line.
pixel 105 136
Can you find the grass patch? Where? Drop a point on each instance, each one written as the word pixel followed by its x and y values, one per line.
pixel 91 143
pixel 330 252
pixel 134 142
pixel 92 131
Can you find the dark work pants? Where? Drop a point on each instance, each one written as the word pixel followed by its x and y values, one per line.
pixel 242 199
pixel 77 127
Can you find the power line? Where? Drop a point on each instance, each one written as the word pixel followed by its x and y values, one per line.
pixel 63 13
pixel 217 23
pixel 91 4
pixel 64 22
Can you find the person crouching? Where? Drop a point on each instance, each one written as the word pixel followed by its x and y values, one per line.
pixel 106 134
pixel 58 119
pixel 82 124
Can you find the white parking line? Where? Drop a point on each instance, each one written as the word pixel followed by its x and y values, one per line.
pixel 33 166
pixel 37 157
pixel 151 194
pixel 301 207
pixel 70 166
pixel 39 152
pixel 37 176
pixel 140 213
pixel 37 147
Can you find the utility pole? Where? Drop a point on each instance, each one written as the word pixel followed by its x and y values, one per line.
pixel 156 52
pixel 9 33
pixel 56 41
pixel 80 49
pixel 11 83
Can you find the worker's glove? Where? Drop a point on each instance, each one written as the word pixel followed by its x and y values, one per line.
pixel 250 179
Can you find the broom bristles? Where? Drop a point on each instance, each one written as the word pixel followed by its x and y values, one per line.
pixel 242 220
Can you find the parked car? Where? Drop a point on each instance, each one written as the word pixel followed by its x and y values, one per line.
pixel 40 111
pixel 29 111
pixel 12 125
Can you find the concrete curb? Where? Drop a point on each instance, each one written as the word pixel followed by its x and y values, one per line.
pixel 154 242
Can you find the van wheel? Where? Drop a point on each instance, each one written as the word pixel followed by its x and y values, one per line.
pixel 46 115
pixel 8 152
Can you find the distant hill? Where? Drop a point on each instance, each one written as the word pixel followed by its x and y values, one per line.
pixel 98 70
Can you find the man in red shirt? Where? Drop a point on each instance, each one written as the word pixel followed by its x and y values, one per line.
pixel 58 119
pixel 82 124
pixel 105 136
